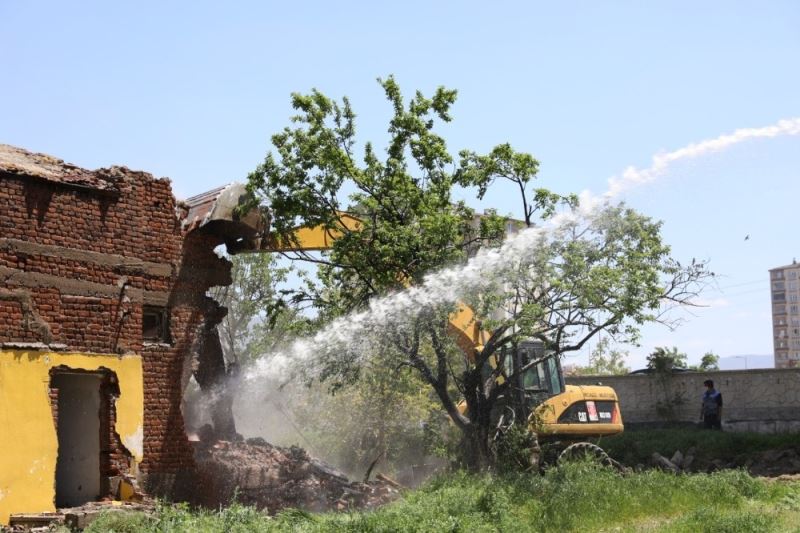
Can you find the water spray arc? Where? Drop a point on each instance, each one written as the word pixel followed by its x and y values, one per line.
pixel 447 286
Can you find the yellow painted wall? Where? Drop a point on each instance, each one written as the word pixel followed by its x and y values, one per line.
pixel 28 440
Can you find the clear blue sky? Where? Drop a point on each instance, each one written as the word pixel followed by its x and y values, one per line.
pixel 193 90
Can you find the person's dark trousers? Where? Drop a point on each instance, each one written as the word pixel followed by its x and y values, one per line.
pixel 712 422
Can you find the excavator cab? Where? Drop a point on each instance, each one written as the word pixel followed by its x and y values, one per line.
pixel 544 378
pixel 556 410
pixel 541 380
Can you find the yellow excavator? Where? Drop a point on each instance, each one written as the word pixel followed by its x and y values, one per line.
pixel 557 411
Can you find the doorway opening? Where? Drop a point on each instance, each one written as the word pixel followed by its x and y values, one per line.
pixel 77 409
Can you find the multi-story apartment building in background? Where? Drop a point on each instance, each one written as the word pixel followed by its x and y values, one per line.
pixel 785 290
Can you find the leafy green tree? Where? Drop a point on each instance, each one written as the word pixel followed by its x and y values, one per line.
pixel 410 223
pixel 609 273
pixel 664 360
pixel 710 361
pixel 604 361
pixel 503 163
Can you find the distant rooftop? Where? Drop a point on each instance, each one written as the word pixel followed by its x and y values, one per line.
pixel 794 264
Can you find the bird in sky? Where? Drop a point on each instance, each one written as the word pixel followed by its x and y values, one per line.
pixel 747 237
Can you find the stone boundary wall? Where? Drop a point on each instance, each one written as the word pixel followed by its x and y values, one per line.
pixel 760 400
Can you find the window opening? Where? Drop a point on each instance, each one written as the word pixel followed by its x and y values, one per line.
pixel 155 324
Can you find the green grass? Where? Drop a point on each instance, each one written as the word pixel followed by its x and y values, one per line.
pixel 636 446
pixel 579 497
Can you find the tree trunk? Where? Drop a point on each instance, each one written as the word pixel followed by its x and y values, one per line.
pixel 475 453
pixel 536 450
pixel 517 385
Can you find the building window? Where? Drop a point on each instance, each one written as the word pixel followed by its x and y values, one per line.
pixel 779 296
pixel 778 286
pixel 793 274
pixel 155 324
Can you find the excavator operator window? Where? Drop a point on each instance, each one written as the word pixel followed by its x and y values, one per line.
pixel 535 379
pixel 555 376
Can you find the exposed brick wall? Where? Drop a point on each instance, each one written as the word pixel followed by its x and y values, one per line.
pixel 114 459
pixel 11 322
pixel 42 238
pixel 54 404
pixel 89 260
pixel 84 323
pixel 140 222
pixel 20 309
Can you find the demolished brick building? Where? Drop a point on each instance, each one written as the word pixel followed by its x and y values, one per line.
pixel 103 281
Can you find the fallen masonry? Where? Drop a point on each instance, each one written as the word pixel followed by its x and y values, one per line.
pixel 255 473
pixel 767 463
pixel 272 478
pixel 76 518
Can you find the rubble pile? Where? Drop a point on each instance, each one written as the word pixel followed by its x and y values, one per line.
pixel 773 463
pixel 74 518
pixel 272 478
pixel 768 463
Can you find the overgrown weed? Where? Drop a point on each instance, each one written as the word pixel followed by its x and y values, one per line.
pixel 576 497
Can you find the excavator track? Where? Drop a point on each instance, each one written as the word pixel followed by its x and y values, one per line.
pixel 587 450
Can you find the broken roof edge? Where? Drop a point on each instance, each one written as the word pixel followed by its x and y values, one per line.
pixel 21 163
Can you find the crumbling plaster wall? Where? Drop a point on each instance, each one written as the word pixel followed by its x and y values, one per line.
pixel 77 266
pixel 28 440
pixel 762 400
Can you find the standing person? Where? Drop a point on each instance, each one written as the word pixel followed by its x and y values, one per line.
pixel 711 407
